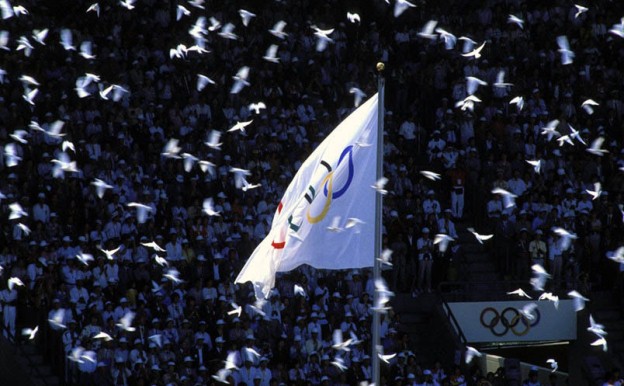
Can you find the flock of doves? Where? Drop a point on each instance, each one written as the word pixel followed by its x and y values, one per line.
pixel 91 85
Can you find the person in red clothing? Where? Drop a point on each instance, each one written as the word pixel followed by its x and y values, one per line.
pixel 457 176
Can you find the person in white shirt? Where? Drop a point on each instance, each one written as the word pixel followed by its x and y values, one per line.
pixel 516 184
pixel 41 210
pixel 424 246
pixel 174 247
pixel 431 205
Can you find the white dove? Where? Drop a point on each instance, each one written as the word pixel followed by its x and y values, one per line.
pixel 14 281
pixel 334 226
pixel 95 7
pixel 125 322
pixel 518 101
pixel 29 95
pixel 520 292
pixel 322 38
pixel 480 238
pixel 16 211
pixel 539 280
pixel 24 228
pixel 596 328
pixel 246 16
pixel 443 240
pixel 103 335
pixel 600 342
pixel 385 257
pixel 278 30
pixel 227 32
pixel 575 134
pixel 386 358
pixel 471 352
pixel 10 155
pixel 617 255
pixel 500 80
pixel 57 318
pixel 353 222
pixel 338 343
pixel 509 199
pixel 427 31
pixel 271 54
pixel 154 246
pixel 67 40
pixel 239 176
pixel 567 55
pixel 171 149
pixel 181 11
pixel 380 184
pixel 100 187
pixel 578 299
pixel 528 311
pixel 236 310
pixel 63 164
pixel 30 332
pixel 213 140
pixel 448 38
pixel 161 261
pixel 40 35
pixel 298 290
pixel 551 129
pixel 553 364
pixel 109 253
pixel 240 80
pixel 173 275
pixel 86 50
pixel 580 10
pixel 358 95
pixel 207 166
pixel 596 147
pixel 84 258
pixel 618 29
pixel 142 211
pixel 339 363
pixel 128 4
pixel 208 207
pixel 353 17
pixel 551 297
pixel 587 106
pixel 566 237
pixel 596 192
pixel 513 19
pixel 476 53
pixel 401 6
pixel 203 81
pixel 19 136
pixel 256 107
pixel 537 164
pixel 473 83
pixel 431 175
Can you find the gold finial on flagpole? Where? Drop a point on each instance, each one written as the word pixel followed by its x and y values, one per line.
pixel 380 66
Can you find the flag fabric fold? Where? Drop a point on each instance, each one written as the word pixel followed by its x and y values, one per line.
pixel 326 217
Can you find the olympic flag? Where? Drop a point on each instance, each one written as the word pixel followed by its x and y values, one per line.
pixel 326 217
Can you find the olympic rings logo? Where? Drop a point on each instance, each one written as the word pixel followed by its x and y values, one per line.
pixel 327 186
pixel 509 319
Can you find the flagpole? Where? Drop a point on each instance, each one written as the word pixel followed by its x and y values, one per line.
pixel 378 221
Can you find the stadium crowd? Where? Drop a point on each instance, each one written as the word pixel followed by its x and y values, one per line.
pixel 185 328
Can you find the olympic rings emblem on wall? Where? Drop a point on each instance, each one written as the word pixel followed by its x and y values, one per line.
pixel 509 320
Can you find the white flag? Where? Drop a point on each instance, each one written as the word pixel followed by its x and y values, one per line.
pixel 332 186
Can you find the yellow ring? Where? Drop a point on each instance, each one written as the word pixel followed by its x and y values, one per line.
pixel 321 216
